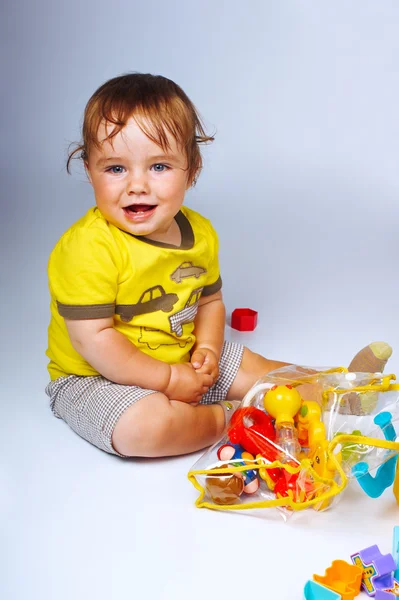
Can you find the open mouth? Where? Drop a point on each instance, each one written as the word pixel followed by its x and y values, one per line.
pixel 139 209
pixel 138 213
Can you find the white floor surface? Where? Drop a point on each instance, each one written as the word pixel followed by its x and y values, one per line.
pixel 80 524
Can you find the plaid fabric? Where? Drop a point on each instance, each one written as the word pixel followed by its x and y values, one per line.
pixel 229 364
pixel 92 406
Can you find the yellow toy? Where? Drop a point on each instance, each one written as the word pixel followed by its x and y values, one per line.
pixel 285 404
pixel 301 467
pixel 308 422
pixel 282 402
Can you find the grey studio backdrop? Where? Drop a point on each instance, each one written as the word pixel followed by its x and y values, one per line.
pixel 301 183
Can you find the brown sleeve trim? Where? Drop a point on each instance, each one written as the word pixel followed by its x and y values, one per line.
pixel 91 311
pixel 213 288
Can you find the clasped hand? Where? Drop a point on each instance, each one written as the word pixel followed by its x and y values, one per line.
pixel 190 381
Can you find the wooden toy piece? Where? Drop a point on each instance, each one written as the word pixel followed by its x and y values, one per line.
pixel 371 359
pixel 224 489
pixel 244 319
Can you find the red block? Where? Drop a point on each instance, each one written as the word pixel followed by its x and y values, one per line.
pixel 244 319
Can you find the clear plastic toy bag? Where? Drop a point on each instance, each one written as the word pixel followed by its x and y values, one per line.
pixel 300 435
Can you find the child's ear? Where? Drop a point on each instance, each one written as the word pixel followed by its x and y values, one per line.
pixel 86 164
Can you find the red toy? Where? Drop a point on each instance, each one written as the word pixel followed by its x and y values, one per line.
pixel 253 429
pixel 244 319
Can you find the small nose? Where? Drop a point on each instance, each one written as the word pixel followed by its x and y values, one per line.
pixel 137 184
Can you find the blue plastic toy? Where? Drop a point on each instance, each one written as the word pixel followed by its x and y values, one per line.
pixel 316 591
pixel 385 476
pixel 395 551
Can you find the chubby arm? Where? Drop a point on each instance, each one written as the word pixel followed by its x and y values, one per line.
pixel 117 359
pixel 209 332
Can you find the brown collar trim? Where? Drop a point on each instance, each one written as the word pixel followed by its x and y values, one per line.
pixel 187 235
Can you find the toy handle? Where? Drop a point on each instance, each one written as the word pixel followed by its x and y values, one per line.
pixel 254 391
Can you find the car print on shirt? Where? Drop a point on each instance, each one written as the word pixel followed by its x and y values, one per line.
pixel 151 300
pixel 187 314
pixel 154 338
pixel 186 270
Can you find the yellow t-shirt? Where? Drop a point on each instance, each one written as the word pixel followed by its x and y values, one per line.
pixel 150 288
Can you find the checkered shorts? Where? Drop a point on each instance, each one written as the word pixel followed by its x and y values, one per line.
pixel 92 405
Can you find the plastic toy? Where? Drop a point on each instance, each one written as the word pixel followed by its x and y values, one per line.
pixel 295 485
pixel 393 590
pixel 316 591
pixel 292 445
pixel 237 456
pixel 343 578
pixel 375 572
pixel 395 551
pixel 308 422
pixel 396 483
pixel 312 433
pixel 227 488
pixel 224 489
pixel 383 595
pixel 323 463
pixel 253 430
pixel 352 453
pixel 385 476
pixel 283 402
pixel 286 482
pixel 244 319
pixel 377 569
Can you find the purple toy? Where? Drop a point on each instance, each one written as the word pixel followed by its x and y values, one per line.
pixel 378 570
pixel 381 595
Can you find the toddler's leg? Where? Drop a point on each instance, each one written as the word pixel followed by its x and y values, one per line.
pixel 156 426
pixel 252 368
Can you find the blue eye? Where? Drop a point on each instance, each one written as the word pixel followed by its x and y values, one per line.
pixel 159 168
pixel 116 169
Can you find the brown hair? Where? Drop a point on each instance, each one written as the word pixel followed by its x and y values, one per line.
pixel 161 103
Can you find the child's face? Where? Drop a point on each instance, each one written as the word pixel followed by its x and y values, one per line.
pixel 138 188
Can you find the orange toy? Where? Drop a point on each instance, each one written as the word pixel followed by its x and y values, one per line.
pixel 343 578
